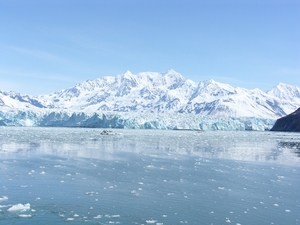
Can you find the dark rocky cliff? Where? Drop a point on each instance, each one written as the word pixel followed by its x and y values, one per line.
pixel 290 123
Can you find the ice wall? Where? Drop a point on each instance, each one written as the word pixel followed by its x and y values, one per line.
pixel 131 120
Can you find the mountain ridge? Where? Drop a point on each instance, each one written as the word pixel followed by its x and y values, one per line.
pixel 167 92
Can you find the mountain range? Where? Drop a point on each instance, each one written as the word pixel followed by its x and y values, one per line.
pixel 158 93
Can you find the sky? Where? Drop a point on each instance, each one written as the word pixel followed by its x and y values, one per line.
pixel 50 45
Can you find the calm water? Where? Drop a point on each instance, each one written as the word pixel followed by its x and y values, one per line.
pixel 77 176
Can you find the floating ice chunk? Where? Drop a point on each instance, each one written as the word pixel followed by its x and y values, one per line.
pixel 19 207
pixel 228 220
pixel 287 210
pixel 70 219
pixel 151 221
pixel 134 192
pixel 4 198
pixel 115 216
pixel 91 193
pixel 25 215
pixel 149 166
pixel 42 173
pixel 98 217
pixel 109 132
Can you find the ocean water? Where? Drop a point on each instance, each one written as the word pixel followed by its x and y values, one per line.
pixel 160 177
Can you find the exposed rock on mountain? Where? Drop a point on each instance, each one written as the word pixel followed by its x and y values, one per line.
pixel 290 122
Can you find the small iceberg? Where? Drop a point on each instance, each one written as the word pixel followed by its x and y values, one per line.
pixel 19 207
pixel 25 215
pixel 4 198
pixel 109 132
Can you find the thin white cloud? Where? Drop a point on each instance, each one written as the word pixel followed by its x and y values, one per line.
pixel 8 85
pixel 34 83
pixel 37 75
pixel 289 71
pixel 38 54
pixel 97 44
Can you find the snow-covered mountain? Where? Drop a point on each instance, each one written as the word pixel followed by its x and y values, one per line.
pixel 152 93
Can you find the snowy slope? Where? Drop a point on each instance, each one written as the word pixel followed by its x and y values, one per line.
pixel 20 101
pixel 171 92
pixel 148 91
pixel 146 95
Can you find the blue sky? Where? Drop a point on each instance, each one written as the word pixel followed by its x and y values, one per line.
pixel 49 45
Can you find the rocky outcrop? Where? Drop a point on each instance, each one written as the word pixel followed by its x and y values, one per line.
pixel 290 123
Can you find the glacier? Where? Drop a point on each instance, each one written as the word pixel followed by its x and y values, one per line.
pixel 151 100
pixel 127 120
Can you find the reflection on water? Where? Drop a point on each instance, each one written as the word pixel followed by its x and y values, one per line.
pixel 89 143
pixel 295 146
pixel 62 175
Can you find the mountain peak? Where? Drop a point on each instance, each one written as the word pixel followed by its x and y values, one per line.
pixel 285 91
pixel 283 86
pixel 214 84
pixel 164 92
pixel 128 77
pixel 171 71
pixel 173 79
pixel 211 81
pixel 127 73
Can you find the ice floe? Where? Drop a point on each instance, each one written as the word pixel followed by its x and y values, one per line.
pixel 25 215
pixel 4 198
pixel 19 207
